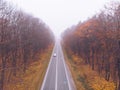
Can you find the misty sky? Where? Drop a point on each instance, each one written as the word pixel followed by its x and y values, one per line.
pixel 61 14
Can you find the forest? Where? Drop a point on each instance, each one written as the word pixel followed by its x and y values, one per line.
pixel 97 42
pixel 22 38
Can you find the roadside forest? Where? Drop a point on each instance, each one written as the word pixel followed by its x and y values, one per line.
pixel 97 42
pixel 22 38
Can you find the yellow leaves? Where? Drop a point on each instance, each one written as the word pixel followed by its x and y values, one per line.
pixel 32 79
pixel 76 59
pixel 101 84
pixel 91 78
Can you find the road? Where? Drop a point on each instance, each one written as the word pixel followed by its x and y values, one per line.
pixel 58 76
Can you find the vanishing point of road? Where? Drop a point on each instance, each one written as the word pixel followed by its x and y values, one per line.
pixel 57 76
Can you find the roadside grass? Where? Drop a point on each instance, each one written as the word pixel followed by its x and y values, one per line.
pixel 32 79
pixel 84 77
pixel 84 83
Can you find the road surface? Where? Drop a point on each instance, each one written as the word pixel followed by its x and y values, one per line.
pixel 58 76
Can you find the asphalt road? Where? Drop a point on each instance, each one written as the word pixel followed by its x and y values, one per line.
pixel 58 76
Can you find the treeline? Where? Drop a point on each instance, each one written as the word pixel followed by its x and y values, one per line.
pixel 22 37
pixel 97 42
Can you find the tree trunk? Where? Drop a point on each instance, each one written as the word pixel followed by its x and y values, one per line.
pixel 2 74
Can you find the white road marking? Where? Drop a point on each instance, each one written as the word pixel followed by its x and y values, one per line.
pixel 65 70
pixel 65 67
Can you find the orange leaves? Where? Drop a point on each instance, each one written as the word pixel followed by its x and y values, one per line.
pixel 101 84
pixel 76 59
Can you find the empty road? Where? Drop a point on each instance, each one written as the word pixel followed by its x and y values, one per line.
pixel 58 76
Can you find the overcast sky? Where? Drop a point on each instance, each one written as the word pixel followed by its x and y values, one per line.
pixel 61 14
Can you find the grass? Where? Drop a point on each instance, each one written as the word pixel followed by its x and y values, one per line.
pixel 84 83
pixel 32 79
pixel 84 77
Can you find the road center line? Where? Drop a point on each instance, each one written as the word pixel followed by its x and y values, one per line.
pixel 56 70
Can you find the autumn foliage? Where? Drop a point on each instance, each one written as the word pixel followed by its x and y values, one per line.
pixel 97 42
pixel 22 38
